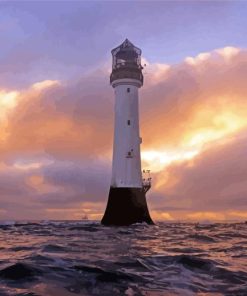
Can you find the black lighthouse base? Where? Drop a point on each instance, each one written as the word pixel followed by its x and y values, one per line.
pixel 126 206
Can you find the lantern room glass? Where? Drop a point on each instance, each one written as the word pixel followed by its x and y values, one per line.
pixel 126 56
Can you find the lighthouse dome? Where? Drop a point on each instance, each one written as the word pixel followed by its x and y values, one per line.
pixel 126 62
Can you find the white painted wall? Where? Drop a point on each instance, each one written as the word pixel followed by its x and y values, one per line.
pixel 126 171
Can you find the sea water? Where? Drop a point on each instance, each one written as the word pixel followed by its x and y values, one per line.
pixel 69 258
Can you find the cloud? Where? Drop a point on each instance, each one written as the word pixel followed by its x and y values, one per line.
pixel 203 98
pixel 199 110
pixel 56 140
pixel 67 121
pixel 214 181
pixel 33 192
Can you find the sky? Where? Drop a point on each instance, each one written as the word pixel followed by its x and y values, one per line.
pixel 56 106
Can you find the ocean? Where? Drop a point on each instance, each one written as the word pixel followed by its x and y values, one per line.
pixel 69 258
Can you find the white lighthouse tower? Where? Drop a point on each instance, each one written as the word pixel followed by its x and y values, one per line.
pixel 127 201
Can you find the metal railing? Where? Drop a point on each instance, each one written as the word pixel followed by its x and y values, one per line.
pixel 146 180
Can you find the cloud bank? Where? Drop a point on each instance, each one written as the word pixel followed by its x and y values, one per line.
pixel 56 142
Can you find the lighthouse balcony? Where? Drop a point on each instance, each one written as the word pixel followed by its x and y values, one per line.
pixel 126 72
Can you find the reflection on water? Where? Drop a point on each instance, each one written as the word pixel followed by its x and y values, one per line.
pixel 85 258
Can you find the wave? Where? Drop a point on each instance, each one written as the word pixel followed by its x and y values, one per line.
pixel 19 271
pixel 50 258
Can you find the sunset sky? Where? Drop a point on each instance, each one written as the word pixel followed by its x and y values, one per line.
pixel 56 107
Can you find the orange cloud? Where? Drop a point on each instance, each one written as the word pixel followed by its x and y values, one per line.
pixel 193 128
pixel 190 110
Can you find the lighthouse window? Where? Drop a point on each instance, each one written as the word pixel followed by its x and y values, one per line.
pixel 128 89
pixel 128 122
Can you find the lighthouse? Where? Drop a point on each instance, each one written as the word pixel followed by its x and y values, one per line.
pixel 127 196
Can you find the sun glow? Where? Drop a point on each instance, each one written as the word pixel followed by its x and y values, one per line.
pixel 157 160
pixel 8 101
pixel 208 127
pixel 224 124
pixel 206 216
pixel 162 216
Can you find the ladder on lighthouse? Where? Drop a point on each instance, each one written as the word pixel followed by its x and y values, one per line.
pixel 146 180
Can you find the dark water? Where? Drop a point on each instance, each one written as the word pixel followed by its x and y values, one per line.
pixel 85 258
